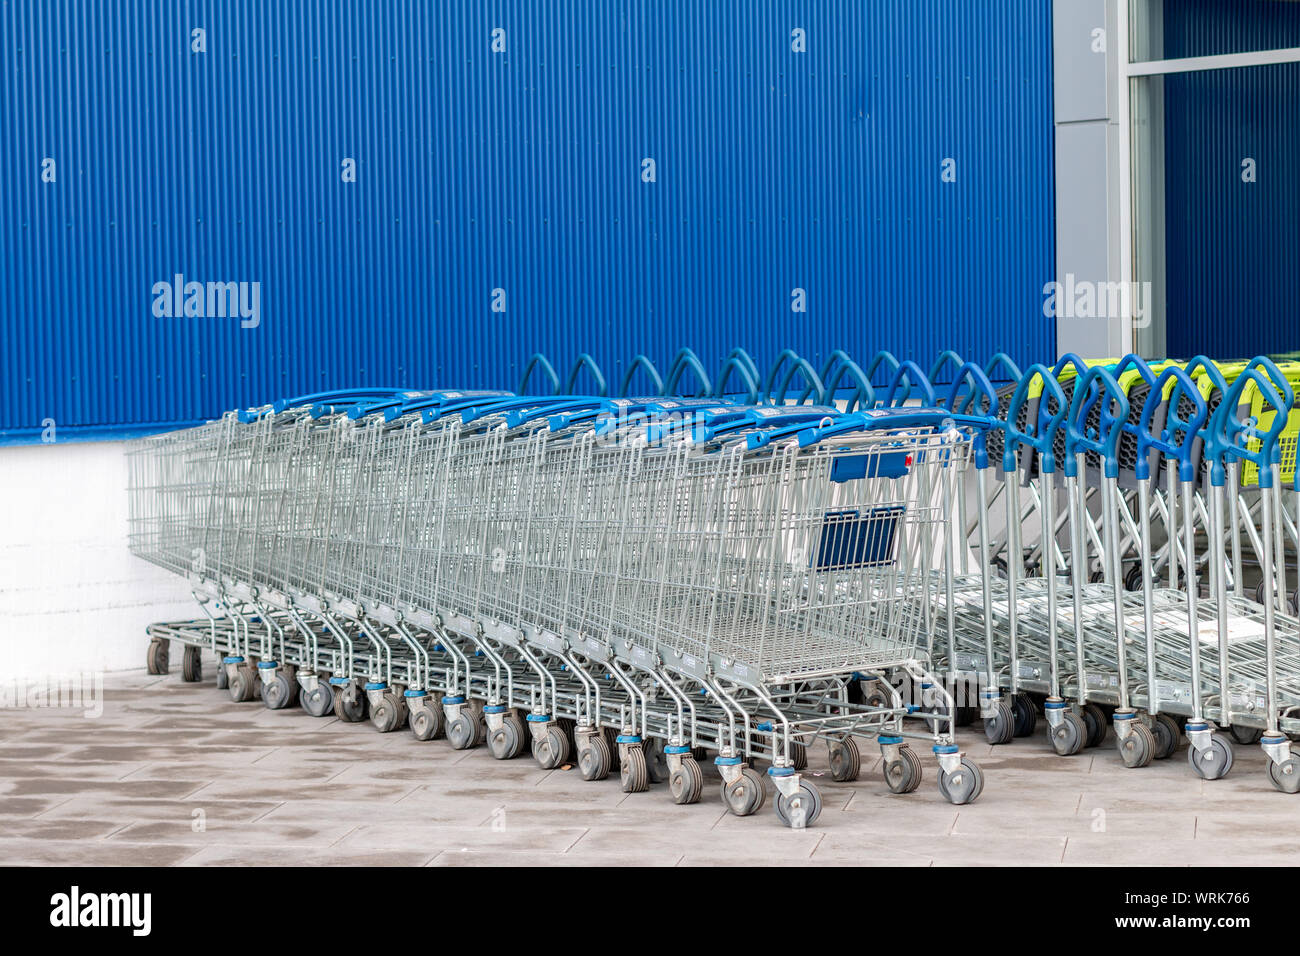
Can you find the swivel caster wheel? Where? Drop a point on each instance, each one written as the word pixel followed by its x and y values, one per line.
pixel 1001 727
pixel 632 772
pixel 801 808
pixel 551 749
pixel 746 794
pixel 507 741
pixel 1069 736
pixel 1139 747
pixel 1024 714
pixel 280 691
pixel 156 658
pixel 388 713
pixel 845 760
pixel 798 756
pixel 686 783
pixel 904 774
pixel 427 722
pixel 1094 721
pixel 963 785
pixel 192 665
pixel 350 704
pixel 1167 735
pixel 1215 763
pixel 244 684
pixel 462 731
pixel 223 679
pixel 319 701
pixel 1285 776
pixel 656 761
pixel 593 758
pixel 611 744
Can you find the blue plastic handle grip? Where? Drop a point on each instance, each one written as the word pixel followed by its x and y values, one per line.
pixel 769 418
pixel 910 373
pixel 1179 451
pixel 980 399
pixel 1096 386
pixel 1225 429
pixel 525 415
pixel 877 419
pixel 1042 431
pixel 1002 360
pixel 1280 383
pixel 337 396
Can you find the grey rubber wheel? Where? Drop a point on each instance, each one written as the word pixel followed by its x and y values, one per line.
pixel 963 785
pixel 798 755
pixel 507 741
pixel 426 722
pixel 593 758
pixel 156 658
pixel 1215 764
pixel 1245 735
pixel 279 692
pixel 1285 775
pixel 1000 728
pixel 243 685
pixel 552 748
pixel 1070 736
pixel 1139 747
pixel 903 775
pixel 801 808
pixel 350 704
pixel 1024 714
pixel 656 761
pixel 746 794
pixel 319 701
pixel 845 760
pixel 632 771
pixel 1094 720
pixel 687 782
pixel 223 678
pixel 461 732
pixel 192 665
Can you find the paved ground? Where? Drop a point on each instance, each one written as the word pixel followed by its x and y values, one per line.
pixel 175 773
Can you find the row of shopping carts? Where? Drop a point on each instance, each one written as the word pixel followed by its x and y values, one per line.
pixel 635 583
pixel 624 583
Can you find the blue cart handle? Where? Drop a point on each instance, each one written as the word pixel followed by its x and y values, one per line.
pixel 1042 431
pixel 586 361
pixel 539 361
pixel 980 399
pixel 735 363
pixel 946 356
pixel 1178 450
pixel 1280 383
pixel 1004 361
pixel 886 359
pixel 683 360
pixel 813 386
pixel 910 374
pixel 1096 386
pixel 1227 435
pixel 642 361
pixel 343 396
pixel 864 396
pixel 878 419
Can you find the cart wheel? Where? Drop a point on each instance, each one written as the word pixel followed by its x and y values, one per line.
pixel 904 774
pixel 279 692
pixel 1245 735
pixel 1167 735
pixel 1024 714
pixel 569 727
pixel 687 782
pixel 1214 764
pixel 746 795
pixel 801 808
pixel 223 679
pixel 966 716
pixel 656 761
pixel 798 755
pixel 1294 602
pixel 551 749
pixel 1138 747
pixel 243 686
pixel 350 704
pixel 389 714
pixel 319 701
pixel 1000 728
pixel 462 732
pixel 611 744
pixel 427 722
pixel 1097 577
pixel 1069 736
pixel 593 758
pixel 632 771
pixel 192 664
pixel 1285 775
pixel 1259 593
pixel 1094 720
pixel 846 760
pixel 507 741
pixel 156 657
pixel 963 785
pixel 1133 578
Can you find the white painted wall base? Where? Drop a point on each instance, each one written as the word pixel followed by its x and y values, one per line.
pixel 72 598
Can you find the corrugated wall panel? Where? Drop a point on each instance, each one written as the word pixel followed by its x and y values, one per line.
pixel 519 170
pixel 1231 269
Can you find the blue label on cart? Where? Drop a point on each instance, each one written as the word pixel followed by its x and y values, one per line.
pixel 854 539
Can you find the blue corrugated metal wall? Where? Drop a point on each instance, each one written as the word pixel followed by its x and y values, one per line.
pixel 518 170
pixel 1231 260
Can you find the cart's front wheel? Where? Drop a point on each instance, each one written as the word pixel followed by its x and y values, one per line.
pixel 156 657
pixel 1167 735
pixel 1094 720
pixel 1138 747
pixel 903 774
pixel 1001 727
pixel 1285 775
pixel 1245 735
pixel 552 748
pixel 192 665
pixel 632 771
pixel 963 785
pixel 319 701
pixel 746 794
pixel 1213 763
pixel 801 808
pixel 1069 736
pixel 1026 717
pixel 687 782
pixel 593 758
pixel 507 741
